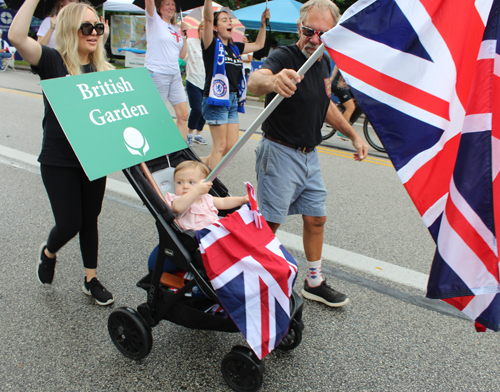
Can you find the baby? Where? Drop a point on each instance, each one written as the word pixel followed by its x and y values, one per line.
pixel 192 206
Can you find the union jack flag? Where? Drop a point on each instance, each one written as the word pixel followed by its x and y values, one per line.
pixel 253 276
pixel 426 73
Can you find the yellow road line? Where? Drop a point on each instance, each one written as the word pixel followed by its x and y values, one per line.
pixel 340 153
pixel 24 93
pixel 321 149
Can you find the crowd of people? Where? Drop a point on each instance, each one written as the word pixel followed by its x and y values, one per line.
pixel 217 77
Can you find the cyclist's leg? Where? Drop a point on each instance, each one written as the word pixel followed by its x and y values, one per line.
pixel 349 105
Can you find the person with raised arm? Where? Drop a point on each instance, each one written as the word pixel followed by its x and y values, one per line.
pixel 76 202
pixel 165 46
pixel 225 82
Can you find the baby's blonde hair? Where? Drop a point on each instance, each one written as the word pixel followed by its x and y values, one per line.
pixel 192 165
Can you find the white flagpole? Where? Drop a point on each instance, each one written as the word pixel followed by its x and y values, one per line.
pixel 261 118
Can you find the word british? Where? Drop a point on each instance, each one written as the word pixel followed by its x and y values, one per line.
pixel 104 89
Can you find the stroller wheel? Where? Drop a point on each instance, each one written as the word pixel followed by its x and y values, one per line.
pixel 130 333
pixel 242 370
pixel 293 338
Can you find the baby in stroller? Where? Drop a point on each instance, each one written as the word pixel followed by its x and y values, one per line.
pixel 192 206
pixel 130 329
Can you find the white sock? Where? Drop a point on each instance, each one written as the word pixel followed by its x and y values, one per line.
pixel 314 277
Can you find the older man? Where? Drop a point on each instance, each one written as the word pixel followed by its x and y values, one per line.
pixel 288 171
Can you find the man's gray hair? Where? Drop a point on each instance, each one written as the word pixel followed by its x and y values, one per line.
pixel 321 5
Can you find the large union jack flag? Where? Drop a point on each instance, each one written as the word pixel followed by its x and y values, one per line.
pixel 253 276
pixel 426 72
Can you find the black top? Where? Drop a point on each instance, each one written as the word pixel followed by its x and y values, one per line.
pixel 234 66
pixel 298 120
pixel 56 150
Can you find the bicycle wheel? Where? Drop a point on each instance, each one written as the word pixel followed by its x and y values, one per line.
pixel 327 132
pixel 371 136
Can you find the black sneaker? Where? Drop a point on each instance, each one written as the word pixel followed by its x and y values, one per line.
pixel 95 289
pixel 324 293
pixel 46 266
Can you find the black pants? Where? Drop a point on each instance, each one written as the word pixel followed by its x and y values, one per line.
pixel 76 204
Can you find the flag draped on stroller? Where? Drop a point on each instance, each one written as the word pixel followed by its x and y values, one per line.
pixel 253 276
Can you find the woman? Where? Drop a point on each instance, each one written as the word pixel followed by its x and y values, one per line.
pixel 46 32
pixel 195 82
pixel 165 46
pixel 220 97
pixel 76 202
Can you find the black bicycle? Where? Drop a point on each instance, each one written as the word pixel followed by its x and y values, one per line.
pixel 370 134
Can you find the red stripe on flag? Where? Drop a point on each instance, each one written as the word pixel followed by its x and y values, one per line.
pixel 245 240
pixel 459 302
pixel 432 180
pixel 391 86
pixel 462 31
pixel 480 101
pixel 471 237
pixel 264 314
pixel 495 133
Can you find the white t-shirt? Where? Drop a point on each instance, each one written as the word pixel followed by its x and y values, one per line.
pixel 195 68
pixel 164 45
pixel 44 29
pixel 245 57
pixel 5 45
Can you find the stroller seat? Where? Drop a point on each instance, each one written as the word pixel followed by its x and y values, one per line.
pixel 130 329
pixel 165 179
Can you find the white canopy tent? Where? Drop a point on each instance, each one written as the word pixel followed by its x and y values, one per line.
pixel 121 5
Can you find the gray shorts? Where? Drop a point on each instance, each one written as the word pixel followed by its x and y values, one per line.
pixel 289 182
pixel 170 87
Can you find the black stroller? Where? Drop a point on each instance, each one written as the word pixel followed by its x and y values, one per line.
pixel 130 329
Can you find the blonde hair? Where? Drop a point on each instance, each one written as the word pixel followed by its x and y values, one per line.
pixel 322 6
pixel 69 21
pixel 158 4
pixel 192 165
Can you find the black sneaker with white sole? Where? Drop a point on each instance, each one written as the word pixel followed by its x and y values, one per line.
pixel 46 267
pixel 95 289
pixel 325 294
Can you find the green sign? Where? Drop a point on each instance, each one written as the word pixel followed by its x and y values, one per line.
pixel 113 119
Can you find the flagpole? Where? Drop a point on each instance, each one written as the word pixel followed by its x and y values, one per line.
pixel 261 118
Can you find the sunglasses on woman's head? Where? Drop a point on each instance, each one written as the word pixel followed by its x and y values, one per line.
pixel 308 32
pixel 87 28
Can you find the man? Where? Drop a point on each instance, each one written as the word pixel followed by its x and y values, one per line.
pixel 288 172
pixel 4 51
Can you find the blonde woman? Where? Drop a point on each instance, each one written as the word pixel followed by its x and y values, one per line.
pixel 76 202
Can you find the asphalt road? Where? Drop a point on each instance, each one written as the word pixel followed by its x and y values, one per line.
pixel 389 338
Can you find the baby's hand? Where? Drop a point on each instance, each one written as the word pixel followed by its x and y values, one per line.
pixel 203 186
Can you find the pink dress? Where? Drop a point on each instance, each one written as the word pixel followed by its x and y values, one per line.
pixel 199 215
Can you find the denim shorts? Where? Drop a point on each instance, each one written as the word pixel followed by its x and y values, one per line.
pixel 289 182
pixel 220 115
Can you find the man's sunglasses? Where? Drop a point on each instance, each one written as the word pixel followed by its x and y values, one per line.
pixel 87 28
pixel 308 32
